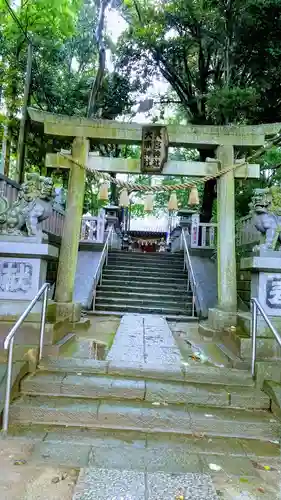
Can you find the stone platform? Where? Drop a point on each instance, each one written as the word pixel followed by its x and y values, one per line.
pixel 144 339
pixel 147 423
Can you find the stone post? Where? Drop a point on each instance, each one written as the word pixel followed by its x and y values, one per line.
pixel 227 293
pixel 72 223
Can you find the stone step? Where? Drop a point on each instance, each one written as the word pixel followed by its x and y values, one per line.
pixel 123 292
pixel 169 311
pixel 128 300
pixel 163 273
pixel 29 332
pixel 155 270
pixel 174 453
pixel 141 257
pixel 160 392
pixel 145 266
pixel 156 280
pixel 145 417
pixel 147 256
pixel 196 373
pixel 168 317
pixel 178 264
pixel 267 349
pixel 143 286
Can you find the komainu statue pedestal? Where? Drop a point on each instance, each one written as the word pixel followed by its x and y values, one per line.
pixel 24 249
pixel 23 270
pixel 265 267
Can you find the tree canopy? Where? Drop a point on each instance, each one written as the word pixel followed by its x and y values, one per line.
pixel 221 59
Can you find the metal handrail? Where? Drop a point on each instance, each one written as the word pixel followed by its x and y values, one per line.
pixel 103 259
pixel 9 345
pixel 188 264
pixel 256 306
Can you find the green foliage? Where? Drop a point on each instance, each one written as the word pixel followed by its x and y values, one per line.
pixel 222 59
pixel 231 104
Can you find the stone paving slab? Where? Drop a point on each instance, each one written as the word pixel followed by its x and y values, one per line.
pixel 188 486
pixel 104 484
pixel 144 339
pixel 108 484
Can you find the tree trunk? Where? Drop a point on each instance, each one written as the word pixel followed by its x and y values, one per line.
pixel 209 190
pixel 7 157
pixel 113 192
pixel 23 122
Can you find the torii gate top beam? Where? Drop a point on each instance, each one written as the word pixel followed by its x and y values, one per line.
pixel 106 131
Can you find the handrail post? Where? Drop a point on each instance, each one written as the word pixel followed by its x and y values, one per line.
pixel 254 336
pixel 9 346
pixel 8 387
pixel 43 322
pixel 193 305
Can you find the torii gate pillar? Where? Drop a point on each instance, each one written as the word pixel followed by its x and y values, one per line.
pixel 227 293
pixel 72 224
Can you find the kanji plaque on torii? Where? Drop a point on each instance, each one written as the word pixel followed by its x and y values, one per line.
pixel 154 151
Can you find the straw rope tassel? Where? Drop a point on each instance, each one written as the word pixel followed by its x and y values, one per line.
pixel 124 198
pixel 193 197
pixel 103 192
pixel 148 203
pixel 173 202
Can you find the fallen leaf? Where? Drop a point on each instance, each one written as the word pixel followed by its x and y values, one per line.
pixel 180 495
pixel 195 358
pixel 199 435
pixel 156 403
pixel 261 489
pixel 243 480
pixel 260 466
pixel 257 465
pixel 55 480
pixel 19 462
pixel 215 467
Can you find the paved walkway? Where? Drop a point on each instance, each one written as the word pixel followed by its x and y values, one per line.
pixel 145 339
pixel 104 484
pixel 130 465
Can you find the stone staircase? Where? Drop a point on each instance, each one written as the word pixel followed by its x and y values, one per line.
pixel 153 283
pixel 106 396
pixel 143 408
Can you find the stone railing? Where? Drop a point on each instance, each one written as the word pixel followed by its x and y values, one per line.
pixel 203 235
pixel 92 228
pixel 246 233
pixel 53 225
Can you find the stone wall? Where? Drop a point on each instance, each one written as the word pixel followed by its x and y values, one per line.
pixel 52 269
pixel 204 267
pixel 87 263
pixel 243 278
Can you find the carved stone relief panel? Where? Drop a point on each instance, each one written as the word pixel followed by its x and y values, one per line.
pixel 20 277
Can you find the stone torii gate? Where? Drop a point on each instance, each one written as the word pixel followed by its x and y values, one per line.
pixel 223 139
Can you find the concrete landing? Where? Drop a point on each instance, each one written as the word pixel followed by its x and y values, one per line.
pixel 144 339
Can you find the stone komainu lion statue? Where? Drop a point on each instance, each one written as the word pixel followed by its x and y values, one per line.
pixel 266 211
pixel 33 205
